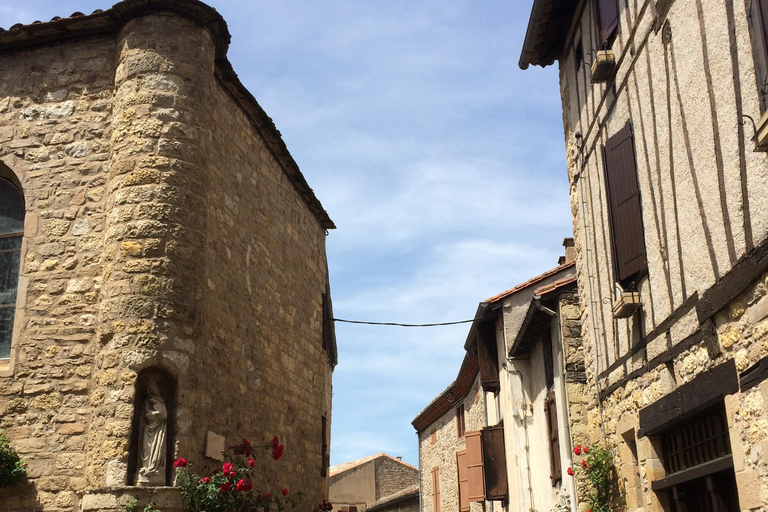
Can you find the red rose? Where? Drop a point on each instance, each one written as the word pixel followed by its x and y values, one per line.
pixel 577 450
pixel 226 468
pixel 241 485
pixel 226 487
pixel 277 451
pixel 285 492
pixel 275 441
pixel 246 442
pixel 570 471
pixel 269 495
pixel 248 452
pixel 586 450
pixel 250 463
pixel 181 462
pixel 205 480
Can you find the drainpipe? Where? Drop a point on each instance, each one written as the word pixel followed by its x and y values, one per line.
pixel 563 392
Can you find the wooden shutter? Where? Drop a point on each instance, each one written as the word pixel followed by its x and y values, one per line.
pixel 758 21
pixel 550 408
pixel 460 425
pixel 487 356
pixel 475 476
pixel 607 18
pixel 494 463
pixel 436 489
pixel 625 214
pixel 463 471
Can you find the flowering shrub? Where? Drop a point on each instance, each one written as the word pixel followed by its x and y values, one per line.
pixel 596 477
pixel 230 489
pixel 12 468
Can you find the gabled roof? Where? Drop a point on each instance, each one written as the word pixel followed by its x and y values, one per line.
pixel 547 29
pixel 346 466
pixel 79 26
pixel 529 283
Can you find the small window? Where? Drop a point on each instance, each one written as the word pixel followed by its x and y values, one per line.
pixel 624 211
pixel 460 425
pixel 11 234
pixel 433 437
pixel 607 21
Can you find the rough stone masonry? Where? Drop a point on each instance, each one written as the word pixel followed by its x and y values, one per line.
pixel 167 228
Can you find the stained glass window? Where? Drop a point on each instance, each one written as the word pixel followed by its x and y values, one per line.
pixel 11 231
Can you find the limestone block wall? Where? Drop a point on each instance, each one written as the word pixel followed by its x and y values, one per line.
pixel 442 453
pixel 393 477
pixel 161 231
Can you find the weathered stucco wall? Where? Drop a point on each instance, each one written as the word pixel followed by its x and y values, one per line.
pixel 160 232
pixel 683 81
pixel 442 453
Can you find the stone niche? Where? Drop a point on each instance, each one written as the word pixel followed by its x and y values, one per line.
pixel 156 390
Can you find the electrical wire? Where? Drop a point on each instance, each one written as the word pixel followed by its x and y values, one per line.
pixel 405 325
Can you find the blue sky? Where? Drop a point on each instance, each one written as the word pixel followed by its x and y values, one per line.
pixel 441 163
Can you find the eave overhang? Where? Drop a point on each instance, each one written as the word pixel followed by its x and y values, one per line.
pixel 547 29
pixel 448 399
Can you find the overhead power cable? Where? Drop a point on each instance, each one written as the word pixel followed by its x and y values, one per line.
pixel 405 325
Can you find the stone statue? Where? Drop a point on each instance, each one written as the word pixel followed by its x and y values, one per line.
pixel 153 438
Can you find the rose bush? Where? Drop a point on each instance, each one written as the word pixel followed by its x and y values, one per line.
pixel 595 476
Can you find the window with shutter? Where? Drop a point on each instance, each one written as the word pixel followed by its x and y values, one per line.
pixel 460 428
pixel 494 463
pixel 550 409
pixel 487 356
pixel 463 471
pixel 607 20
pixel 624 211
pixel 475 473
pixel 757 11
pixel 436 489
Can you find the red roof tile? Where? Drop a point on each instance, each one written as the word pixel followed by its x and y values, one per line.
pixel 530 282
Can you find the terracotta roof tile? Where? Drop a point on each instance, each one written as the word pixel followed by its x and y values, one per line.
pixel 530 282
pixel 555 285
pixel 346 466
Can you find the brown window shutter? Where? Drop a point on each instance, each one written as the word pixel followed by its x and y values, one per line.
pixel 625 213
pixel 550 408
pixel 487 356
pixel 344 509
pixel 463 471
pixel 353 508
pixel 475 477
pixel 758 24
pixel 433 437
pixel 436 489
pixel 607 19
pixel 494 463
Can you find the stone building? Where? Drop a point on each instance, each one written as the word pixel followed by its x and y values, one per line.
pixel 157 241
pixel 445 448
pixel 664 110
pixel 536 371
pixel 378 479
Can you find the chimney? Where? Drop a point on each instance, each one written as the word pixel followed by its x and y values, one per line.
pixel 399 457
pixel 570 250
pixel 561 260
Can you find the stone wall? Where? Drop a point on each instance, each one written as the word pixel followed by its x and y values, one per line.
pixel 393 477
pixel 161 231
pixel 442 453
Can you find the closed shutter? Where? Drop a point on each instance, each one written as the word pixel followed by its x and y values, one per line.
pixel 487 356
pixel 625 214
pixel 325 456
pixel 436 489
pixel 475 476
pixel 607 18
pixel 550 408
pixel 463 471
pixel 494 463
pixel 758 24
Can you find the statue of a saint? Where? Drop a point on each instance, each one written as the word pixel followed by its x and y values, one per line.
pixel 153 435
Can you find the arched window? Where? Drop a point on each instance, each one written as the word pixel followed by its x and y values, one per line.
pixel 11 233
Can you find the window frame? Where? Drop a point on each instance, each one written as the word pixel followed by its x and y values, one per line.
pixel 605 35
pixel 553 431
pixel 461 425
pixel 7 360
